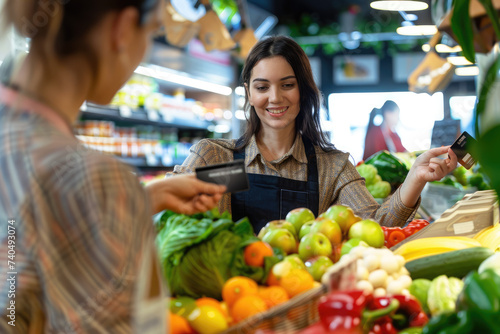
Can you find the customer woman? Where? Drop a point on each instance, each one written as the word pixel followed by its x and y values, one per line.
pixel 76 238
pixel 383 137
pixel 289 160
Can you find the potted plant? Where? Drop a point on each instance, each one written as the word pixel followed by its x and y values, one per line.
pixel 475 25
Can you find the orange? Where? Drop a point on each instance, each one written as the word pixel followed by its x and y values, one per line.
pixel 272 279
pixel 178 325
pixel 296 281
pixel 212 302
pixel 255 253
pixel 273 295
pixel 247 306
pixel 237 287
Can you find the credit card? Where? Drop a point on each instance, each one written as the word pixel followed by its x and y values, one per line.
pixel 231 174
pixel 461 147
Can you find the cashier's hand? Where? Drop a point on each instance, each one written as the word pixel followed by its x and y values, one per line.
pixel 429 166
pixel 183 194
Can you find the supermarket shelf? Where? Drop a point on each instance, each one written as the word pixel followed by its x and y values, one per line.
pixel 143 163
pixel 140 116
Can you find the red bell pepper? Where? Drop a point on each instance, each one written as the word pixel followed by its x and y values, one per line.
pixel 348 312
pixel 408 314
pixel 410 308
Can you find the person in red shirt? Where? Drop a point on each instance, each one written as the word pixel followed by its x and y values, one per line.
pixel 384 136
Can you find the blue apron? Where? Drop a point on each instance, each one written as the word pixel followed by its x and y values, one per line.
pixel 272 197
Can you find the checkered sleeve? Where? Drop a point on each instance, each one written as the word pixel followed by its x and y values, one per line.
pixel 90 257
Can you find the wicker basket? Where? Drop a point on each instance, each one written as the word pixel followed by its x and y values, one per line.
pixel 300 311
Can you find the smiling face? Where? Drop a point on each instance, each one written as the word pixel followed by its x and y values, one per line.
pixel 273 91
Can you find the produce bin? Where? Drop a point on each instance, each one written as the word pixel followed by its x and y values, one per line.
pixel 300 311
pixel 437 198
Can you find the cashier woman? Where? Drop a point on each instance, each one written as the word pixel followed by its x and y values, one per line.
pixel 289 160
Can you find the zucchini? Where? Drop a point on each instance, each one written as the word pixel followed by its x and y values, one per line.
pixel 457 263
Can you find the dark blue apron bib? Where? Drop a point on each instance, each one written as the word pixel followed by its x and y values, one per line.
pixel 272 197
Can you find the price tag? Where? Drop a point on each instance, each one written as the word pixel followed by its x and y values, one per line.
pixel 153 115
pixel 343 277
pixel 125 111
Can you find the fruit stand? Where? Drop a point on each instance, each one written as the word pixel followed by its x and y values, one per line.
pixel 307 274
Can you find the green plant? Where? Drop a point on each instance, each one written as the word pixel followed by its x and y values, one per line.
pixel 486 149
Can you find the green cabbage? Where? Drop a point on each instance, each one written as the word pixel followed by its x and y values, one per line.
pixel 199 253
pixel 381 189
pixel 443 293
pixel 369 172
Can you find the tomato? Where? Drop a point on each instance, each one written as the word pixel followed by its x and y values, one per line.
pixel 418 223
pixel 396 237
pixel 409 230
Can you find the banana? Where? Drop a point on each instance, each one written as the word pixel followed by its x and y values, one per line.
pixel 418 248
pixel 489 237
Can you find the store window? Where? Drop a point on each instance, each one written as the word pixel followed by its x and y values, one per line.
pixel 462 108
pixel 349 115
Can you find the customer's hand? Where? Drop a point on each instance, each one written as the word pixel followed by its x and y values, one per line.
pixel 183 194
pixel 427 167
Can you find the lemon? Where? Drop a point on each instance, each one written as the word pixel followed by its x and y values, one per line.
pixel 207 319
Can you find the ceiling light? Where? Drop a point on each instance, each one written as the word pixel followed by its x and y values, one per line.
pixel 458 61
pixel 165 74
pixel 442 48
pixel 399 5
pixel 417 30
pixel 467 71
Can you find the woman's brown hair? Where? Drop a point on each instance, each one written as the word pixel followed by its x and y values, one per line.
pixel 307 122
pixel 60 27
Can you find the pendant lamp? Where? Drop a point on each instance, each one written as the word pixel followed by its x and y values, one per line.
pixel 399 5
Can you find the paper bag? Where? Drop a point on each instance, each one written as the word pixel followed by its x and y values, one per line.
pixel 213 33
pixel 178 30
pixel 433 74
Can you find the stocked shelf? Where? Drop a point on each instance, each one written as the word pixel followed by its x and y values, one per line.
pixel 143 117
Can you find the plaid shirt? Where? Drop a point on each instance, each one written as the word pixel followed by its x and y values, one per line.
pixel 81 225
pixel 339 181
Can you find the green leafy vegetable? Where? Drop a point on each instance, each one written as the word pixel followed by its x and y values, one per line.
pixel 200 252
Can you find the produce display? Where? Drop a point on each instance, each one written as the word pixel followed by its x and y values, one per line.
pixel 394 235
pixel 389 167
pixel 374 183
pixel 220 274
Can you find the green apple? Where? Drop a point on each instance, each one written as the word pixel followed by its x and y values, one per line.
pixel 317 266
pixel 274 224
pixel 343 215
pixel 295 260
pixel 369 231
pixel 306 228
pixel 182 306
pixel 329 228
pixel 314 244
pixel 350 244
pixel 281 238
pixel 299 217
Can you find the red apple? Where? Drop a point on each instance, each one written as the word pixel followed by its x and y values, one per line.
pixel 329 228
pixel 299 217
pixel 314 244
pixel 368 231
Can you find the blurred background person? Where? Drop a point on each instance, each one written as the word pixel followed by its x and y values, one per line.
pixel 383 136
